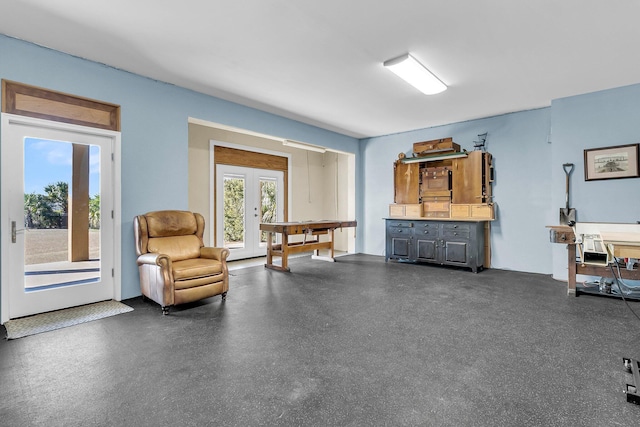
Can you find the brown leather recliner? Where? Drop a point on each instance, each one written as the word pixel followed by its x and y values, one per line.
pixel 175 266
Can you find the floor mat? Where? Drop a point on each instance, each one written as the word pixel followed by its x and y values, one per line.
pixel 53 320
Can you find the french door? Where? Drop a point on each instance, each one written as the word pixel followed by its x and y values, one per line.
pixel 246 197
pixel 57 215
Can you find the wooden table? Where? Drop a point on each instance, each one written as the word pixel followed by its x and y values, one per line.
pixel 564 234
pixel 311 230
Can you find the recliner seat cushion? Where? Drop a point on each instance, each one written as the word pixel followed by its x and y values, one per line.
pixel 193 268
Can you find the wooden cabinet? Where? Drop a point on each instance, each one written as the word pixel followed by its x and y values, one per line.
pixel 455 185
pixel 459 243
pixel 442 205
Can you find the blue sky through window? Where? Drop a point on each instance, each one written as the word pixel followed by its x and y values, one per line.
pixel 47 162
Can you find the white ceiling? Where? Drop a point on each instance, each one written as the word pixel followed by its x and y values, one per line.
pixel 320 61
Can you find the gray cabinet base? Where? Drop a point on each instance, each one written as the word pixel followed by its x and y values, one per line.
pixel 458 243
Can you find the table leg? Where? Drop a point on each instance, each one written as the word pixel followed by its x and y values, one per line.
pixel 571 283
pixel 285 251
pixel 331 254
pixel 269 248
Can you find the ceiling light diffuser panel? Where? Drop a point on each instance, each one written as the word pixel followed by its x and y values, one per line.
pixel 414 73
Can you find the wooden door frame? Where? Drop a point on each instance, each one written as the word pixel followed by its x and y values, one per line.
pixel 253 157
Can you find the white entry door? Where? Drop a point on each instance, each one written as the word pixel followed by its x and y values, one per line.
pixel 245 197
pixel 38 274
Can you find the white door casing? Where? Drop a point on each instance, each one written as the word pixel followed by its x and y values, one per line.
pixel 16 302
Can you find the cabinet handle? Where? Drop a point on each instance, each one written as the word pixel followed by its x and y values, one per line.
pixel 455 234
pixel 426 232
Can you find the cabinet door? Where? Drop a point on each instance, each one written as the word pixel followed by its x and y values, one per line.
pixel 468 180
pixel 455 252
pixel 400 247
pixel 406 179
pixel 427 249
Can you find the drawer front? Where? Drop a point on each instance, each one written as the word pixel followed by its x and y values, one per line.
pixel 456 226
pixel 399 228
pixel 405 210
pixel 482 212
pixel 426 225
pixel 459 230
pixel 435 194
pixel 399 231
pixel 556 236
pixel 426 231
pixel 461 234
pixel 460 211
pixel 437 214
pixel 442 206
pixel 398 223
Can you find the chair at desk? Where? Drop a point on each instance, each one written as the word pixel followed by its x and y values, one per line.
pixel 175 266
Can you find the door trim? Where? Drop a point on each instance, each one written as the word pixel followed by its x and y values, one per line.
pixel 6 120
pixel 212 179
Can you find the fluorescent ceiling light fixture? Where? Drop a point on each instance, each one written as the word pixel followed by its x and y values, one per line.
pixel 303 146
pixel 414 73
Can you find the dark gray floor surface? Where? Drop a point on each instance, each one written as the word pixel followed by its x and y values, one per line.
pixel 359 342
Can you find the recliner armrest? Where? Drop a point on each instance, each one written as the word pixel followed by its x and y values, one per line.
pixel 151 258
pixel 219 254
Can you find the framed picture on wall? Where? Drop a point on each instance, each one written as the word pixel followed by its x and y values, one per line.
pixel 620 161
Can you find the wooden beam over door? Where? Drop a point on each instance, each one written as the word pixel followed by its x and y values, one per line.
pixel 32 101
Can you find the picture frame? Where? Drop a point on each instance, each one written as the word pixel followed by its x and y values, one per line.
pixel 620 161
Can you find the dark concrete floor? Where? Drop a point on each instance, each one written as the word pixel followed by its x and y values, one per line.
pixel 359 342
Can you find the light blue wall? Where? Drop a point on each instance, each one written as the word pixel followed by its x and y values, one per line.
pixel 594 120
pixel 154 129
pixel 522 159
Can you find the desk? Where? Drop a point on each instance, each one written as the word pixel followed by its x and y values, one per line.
pixel 622 248
pixel 311 230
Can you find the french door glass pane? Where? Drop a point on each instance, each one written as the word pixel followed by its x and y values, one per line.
pixel 234 211
pixel 268 207
pixel 48 174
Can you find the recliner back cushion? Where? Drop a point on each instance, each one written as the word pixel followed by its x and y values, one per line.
pixel 177 247
pixel 171 223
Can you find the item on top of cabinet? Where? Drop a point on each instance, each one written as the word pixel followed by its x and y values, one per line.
pixel 436 146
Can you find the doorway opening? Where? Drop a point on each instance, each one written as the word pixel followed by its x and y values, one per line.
pixel 318 185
